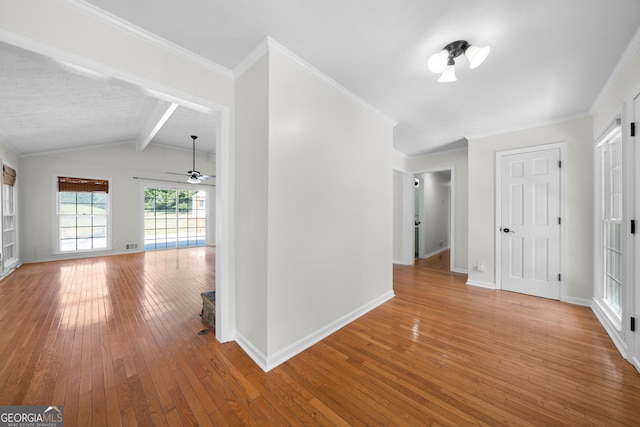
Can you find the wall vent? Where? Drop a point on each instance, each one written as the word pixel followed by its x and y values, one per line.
pixel 131 246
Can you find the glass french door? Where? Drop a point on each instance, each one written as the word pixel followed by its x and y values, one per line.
pixel 174 218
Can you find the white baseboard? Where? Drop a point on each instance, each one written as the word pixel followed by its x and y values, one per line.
pixel 266 363
pixel 259 357
pixel 460 270
pixel 636 362
pixel 401 262
pixel 578 301
pixel 480 284
pixel 436 252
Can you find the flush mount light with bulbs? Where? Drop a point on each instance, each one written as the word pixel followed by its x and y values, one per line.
pixel 444 61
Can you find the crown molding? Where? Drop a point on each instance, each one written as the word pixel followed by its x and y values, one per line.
pixel 530 126
pixel 137 32
pixel 251 58
pixel 284 52
pixel 268 44
pixel 626 57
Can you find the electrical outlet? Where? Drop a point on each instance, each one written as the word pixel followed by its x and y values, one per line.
pixel 480 266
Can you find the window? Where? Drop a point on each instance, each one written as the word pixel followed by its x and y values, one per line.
pixel 174 218
pixel 611 192
pixel 83 214
pixel 9 223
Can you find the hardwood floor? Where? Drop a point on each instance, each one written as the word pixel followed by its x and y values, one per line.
pixel 115 341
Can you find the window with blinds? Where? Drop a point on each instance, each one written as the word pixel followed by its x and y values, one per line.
pixel 9 223
pixel 83 214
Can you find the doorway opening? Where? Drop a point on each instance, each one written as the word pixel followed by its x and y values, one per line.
pixel 434 214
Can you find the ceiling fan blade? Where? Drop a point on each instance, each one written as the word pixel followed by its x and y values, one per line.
pixel 178 173
pixel 206 176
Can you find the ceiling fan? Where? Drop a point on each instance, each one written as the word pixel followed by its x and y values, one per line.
pixel 195 177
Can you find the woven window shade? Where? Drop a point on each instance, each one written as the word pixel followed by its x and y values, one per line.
pixel 8 175
pixel 82 185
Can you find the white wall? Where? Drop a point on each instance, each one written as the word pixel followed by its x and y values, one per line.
pixel 119 163
pixel 578 219
pixel 403 218
pixel 457 161
pixel 314 234
pixel 252 196
pixel 330 214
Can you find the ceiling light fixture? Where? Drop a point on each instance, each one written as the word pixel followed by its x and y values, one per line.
pixel 444 61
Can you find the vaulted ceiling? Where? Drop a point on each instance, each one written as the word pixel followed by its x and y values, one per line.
pixel 549 60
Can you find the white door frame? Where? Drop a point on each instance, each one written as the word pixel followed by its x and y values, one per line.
pixel 634 247
pixel 452 212
pixel 562 146
pixel 225 294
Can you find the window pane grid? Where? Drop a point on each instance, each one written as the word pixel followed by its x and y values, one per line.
pixel 612 192
pixel 174 218
pixel 82 220
pixel 8 224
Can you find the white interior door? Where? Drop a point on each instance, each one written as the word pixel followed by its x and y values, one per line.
pixel 530 223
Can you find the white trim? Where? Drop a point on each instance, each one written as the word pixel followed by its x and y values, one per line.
pixel 452 213
pixel 542 123
pixel 284 52
pixel 251 58
pixel 7 266
pixel 224 223
pixel 269 44
pixel 578 301
pixel 562 147
pixel 614 126
pixel 56 252
pixel 480 284
pixel 256 355
pixel 460 271
pixel 436 252
pixel 266 363
pixel 612 321
pixel 611 330
pixel 142 34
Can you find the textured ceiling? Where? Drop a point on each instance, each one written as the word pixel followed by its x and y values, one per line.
pixel 549 61
pixel 49 106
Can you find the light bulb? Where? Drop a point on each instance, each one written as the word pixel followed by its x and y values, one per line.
pixel 476 55
pixel 438 61
pixel 449 74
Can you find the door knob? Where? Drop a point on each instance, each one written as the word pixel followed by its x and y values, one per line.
pixel 506 230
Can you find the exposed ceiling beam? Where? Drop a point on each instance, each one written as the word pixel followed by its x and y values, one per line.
pixel 158 117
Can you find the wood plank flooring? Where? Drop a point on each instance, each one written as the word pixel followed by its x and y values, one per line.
pixel 114 340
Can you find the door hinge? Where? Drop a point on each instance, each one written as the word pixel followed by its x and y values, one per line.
pixel 633 324
pixel 633 226
pixel 559 277
pixel 559 220
pixel 633 128
pixel 560 163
